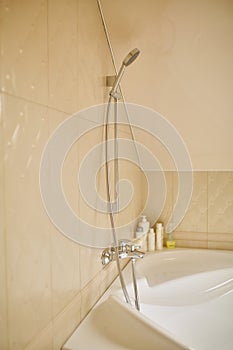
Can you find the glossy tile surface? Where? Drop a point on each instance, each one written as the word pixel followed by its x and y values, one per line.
pixel 24 49
pixel 195 219
pixel 66 322
pixel 220 202
pixel 63 54
pixel 3 275
pixel 28 239
pixel 54 61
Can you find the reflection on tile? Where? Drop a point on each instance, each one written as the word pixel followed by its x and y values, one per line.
pixel 220 202
pixel 24 50
pixel 195 218
pixel 28 239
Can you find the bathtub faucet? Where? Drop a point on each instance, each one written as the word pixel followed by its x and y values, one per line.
pixel 126 249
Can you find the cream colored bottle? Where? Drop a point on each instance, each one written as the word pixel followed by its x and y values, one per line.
pixel 151 240
pixel 159 236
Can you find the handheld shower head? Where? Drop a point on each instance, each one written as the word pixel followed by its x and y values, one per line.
pixel 132 55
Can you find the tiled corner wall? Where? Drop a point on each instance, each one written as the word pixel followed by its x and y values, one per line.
pixel 208 222
pixel 54 59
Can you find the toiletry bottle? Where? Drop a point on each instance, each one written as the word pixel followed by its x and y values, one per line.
pixel 144 223
pixel 151 240
pixel 141 238
pixel 159 236
pixel 170 242
pixel 139 232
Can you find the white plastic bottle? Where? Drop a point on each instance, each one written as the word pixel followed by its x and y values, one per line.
pixel 141 238
pixel 144 223
pixel 139 232
pixel 159 236
pixel 151 240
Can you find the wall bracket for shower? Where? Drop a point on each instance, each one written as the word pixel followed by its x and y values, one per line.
pixel 110 80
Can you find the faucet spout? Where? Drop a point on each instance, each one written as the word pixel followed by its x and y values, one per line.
pixel 136 254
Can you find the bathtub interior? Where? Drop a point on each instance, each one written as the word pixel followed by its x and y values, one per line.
pixel 178 263
pixel 196 308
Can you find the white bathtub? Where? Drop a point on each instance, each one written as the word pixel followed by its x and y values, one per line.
pixel 186 298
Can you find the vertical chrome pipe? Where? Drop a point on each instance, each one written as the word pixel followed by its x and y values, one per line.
pixel 116 167
pixel 135 286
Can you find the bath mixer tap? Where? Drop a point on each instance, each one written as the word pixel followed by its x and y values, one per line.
pixel 125 249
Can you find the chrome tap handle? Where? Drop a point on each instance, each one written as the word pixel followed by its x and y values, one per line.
pixel 124 244
pixel 107 255
pixel 128 246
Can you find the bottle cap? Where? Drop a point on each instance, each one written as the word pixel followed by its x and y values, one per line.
pixel 151 230
pixel 143 217
pixel 159 225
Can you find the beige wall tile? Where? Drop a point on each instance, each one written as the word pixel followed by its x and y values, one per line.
pixel 191 239
pixel 220 237
pixel 220 202
pixel 3 277
pixel 191 244
pixel 94 62
pixel 90 264
pixel 24 49
pixel 85 210
pixel 64 253
pixel 45 270
pixel 168 205
pixel 66 322
pixel 220 245
pixel 220 241
pixel 43 340
pixel 65 270
pixel 195 218
pixel 28 238
pixel 63 54
pixel 108 274
pixel 199 236
pixel 90 295
pixel 152 143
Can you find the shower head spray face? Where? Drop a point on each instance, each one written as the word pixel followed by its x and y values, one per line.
pixel 131 57
pixel 127 61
